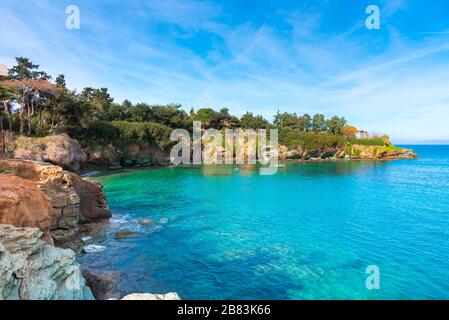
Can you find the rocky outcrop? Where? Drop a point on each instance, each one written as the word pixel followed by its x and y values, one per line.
pixel 131 155
pixel 73 199
pixel 30 269
pixel 300 153
pixel 23 204
pixel 93 205
pixel 59 149
pixel 357 152
pixel 150 296
pixel 102 283
pixel 379 152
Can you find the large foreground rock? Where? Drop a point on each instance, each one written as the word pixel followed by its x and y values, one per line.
pixel 150 296
pixel 73 199
pixel 23 204
pixel 56 149
pixel 32 270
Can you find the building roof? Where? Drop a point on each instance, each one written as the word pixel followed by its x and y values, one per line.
pixel 3 70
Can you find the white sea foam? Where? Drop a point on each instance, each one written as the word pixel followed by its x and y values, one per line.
pixel 93 248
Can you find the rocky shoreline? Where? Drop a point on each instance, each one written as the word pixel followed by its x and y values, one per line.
pixel 44 209
pixel 45 206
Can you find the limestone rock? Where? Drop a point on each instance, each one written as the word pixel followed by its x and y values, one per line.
pixel 149 296
pixel 73 199
pixel 23 204
pixel 57 149
pixel 32 270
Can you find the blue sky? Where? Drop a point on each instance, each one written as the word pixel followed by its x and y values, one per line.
pixel 297 56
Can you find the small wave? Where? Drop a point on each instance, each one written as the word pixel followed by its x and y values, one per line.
pixel 94 248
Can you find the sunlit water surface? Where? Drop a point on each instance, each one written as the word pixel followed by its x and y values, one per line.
pixel 308 232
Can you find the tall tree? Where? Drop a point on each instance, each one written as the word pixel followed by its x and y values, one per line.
pixel 318 123
pixel 30 94
pixel 60 81
pixel 335 124
pixel 26 70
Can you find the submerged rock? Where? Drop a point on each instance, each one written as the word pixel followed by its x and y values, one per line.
pixel 126 234
pixel 146 221
pixel 30 269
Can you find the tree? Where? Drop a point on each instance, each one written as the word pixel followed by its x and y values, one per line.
pixel 26 70
pixel 60 81
pixel 307 122
pixel 30 94
pixel 6 96
pixel 100 101
pixel 207 116
pixel 335 124
pixel 65 111
pixel 349 131
pixel 249 121
pixel 318 123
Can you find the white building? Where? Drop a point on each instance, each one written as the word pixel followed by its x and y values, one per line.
pixel 362 134
pixel 3 70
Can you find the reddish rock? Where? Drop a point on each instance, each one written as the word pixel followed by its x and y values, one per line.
pixel 73 199
pixel 93 204
pixel 23 204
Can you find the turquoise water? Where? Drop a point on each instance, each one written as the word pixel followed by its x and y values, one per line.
pixel 308 232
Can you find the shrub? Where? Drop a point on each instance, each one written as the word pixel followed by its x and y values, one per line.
pixel 292 138
pixel 120 133
pixel 368 142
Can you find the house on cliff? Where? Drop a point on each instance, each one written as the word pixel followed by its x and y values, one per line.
pixel 362 134
pixel 3 71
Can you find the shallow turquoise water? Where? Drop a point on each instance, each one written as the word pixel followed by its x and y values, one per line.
pixel 309 232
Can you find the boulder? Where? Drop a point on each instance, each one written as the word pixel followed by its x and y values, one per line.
pixel 30 269
pixel 56 149
pixel 102 283
pixel 23 204
pixel 73 199
pixel 93 205
pixel 149 296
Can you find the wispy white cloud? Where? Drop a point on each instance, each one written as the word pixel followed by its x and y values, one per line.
pixel 189 52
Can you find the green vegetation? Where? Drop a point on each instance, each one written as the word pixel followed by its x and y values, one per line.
pixel 292 138
pixel 120 133
pixel 92 117
pixel 4 170
pixel 368 142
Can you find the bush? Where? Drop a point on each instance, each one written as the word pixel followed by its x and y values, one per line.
pixel 292 138
pixel 368 142
pixel 120 133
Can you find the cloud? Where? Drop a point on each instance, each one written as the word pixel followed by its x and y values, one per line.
pixel 203 53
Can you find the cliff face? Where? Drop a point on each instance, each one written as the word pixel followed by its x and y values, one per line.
pixel 23 204
pixel 73 199
pixel 379 152
pixel 356 152
pixel 131 155
pixel 30 269
pixel 311 154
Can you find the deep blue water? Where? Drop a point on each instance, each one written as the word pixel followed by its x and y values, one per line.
pixel 308 232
